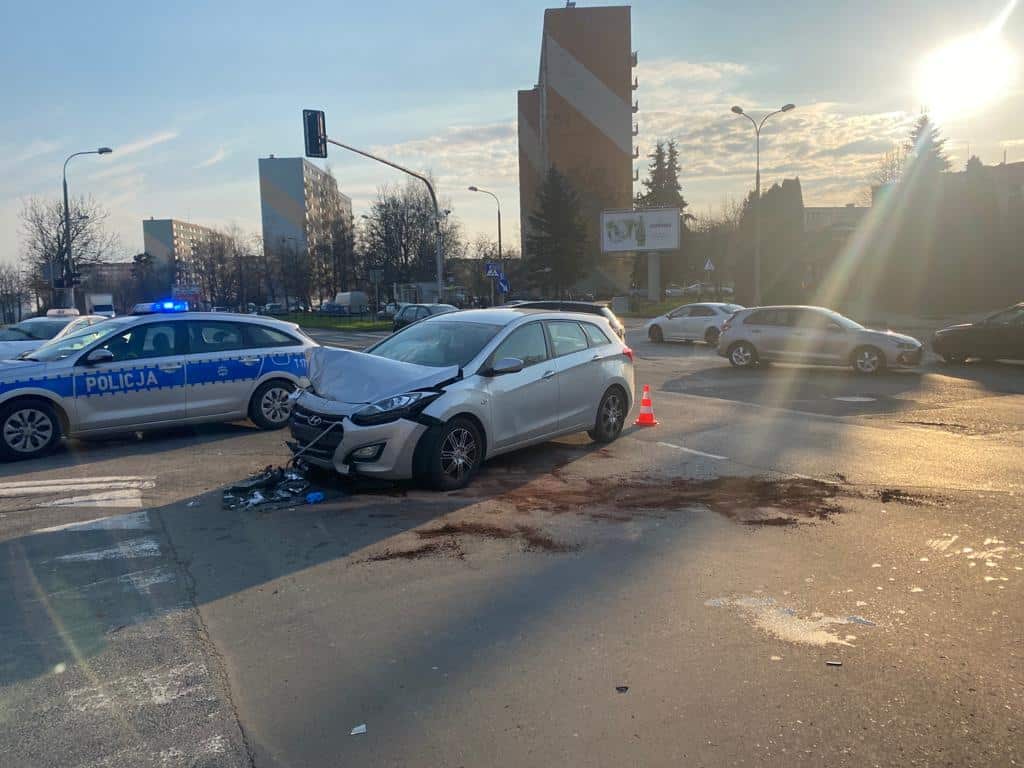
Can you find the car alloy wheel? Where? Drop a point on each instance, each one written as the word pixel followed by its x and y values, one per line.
pixel 742 355
pixel 460 454
pixel 868 360
pixel 275 406
pixel 28 430
pixel 611 416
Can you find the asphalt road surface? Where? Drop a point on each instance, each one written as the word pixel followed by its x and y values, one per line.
pixel 797 566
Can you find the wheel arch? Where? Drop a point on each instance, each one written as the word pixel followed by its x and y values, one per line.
pixel 41 396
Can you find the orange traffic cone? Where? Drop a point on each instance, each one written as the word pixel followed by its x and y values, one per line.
pixel 646 417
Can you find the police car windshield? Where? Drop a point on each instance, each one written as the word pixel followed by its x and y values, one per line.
pixel 65 346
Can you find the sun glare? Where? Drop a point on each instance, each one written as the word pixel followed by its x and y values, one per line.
pixel 967 74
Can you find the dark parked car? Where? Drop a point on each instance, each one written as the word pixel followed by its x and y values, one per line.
pixel 410 313
pixel 997 336
pixel 330 308
pixel 579 306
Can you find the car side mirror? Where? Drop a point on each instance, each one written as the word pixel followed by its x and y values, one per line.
pixel 99 356
pixel 506 365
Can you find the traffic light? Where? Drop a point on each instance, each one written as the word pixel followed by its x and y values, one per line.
pixel 315 128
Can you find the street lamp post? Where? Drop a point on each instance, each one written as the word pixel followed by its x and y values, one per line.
pixel 501 254
pixel 69 288
pixel 757 192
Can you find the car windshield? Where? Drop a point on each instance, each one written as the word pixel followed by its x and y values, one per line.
pixel 65 346
pixel 437 344
pixel 42 329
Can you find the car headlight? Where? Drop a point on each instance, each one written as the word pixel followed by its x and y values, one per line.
pixel 393 408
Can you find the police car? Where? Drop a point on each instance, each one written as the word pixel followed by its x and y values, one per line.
pixel 148 371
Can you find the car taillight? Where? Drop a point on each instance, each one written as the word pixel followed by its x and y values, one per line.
pixel 628 353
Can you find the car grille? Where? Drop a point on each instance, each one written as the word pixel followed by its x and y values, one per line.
pixel 306 425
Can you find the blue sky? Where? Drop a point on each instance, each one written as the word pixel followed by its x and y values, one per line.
pixel 190 94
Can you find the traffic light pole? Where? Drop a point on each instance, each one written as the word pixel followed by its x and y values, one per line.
pixel 438 255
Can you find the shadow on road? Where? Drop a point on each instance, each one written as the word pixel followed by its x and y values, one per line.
pixel 57 610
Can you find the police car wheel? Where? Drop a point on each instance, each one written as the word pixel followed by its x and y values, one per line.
pixel 27 430
pixel 270 408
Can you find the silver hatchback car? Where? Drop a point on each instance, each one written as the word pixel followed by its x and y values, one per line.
pixel 441 396
pixel 812 335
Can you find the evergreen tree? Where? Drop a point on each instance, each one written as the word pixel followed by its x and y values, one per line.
pixel 556 242
pixel 662 188
pixel 926 147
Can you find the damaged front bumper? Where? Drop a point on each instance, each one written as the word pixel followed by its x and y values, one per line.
pixel 325 436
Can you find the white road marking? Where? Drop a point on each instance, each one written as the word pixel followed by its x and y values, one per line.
pixel 127 498
pixel 55 486
pixel 694 451
pixel 133 521
pixel 145 547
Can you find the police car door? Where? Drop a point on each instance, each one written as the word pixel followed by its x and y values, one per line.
pixel 221 369
pixel 143 385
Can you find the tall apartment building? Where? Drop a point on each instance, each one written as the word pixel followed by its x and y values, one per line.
pixel 579 116
pixel 172 242
pixel 299 204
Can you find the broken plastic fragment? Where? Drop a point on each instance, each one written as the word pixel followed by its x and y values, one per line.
pixel 359 729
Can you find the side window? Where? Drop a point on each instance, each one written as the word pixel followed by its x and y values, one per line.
pixel 214 336
pixel 262 336
pixel 595 335
pixel 143 341
pixel 702 312
pixel 763 317
pixel 526 343
pixel 566 337
pixel 421 312
pixel 677 314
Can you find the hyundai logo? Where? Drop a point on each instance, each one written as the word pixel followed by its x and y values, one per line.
pixel 315 421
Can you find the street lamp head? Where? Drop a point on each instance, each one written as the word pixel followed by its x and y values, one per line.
pixel 474 189
pixel 738 110
pixel 787 107
pixel 104 151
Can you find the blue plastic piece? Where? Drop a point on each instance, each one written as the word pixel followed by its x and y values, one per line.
pixel 315 497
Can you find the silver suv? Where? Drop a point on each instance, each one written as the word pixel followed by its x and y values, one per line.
pixel 812 335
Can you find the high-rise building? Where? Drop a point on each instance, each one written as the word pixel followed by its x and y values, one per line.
pixel 300 205
pixel 579 116
pixel 172 244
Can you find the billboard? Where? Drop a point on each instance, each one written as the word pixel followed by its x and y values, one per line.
pixel 654 229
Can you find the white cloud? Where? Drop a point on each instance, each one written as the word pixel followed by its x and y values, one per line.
pixel 34 149
pixel 145 143
pixel 213 159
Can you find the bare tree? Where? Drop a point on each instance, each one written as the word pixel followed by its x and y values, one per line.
pixel 43 240
pixel 14 291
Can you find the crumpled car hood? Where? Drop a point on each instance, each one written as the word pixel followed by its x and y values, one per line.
pixel 356 377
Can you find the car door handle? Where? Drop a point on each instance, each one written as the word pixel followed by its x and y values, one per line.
pixel 755 330
pixel 597 356
pixel 548 374
pixel 250 359
pixel 170 366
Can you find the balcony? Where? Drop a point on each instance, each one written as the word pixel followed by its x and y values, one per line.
pixel 636 175
pixel 636 153
pixel 636 129
pixel 636 83
pixel 632 59
pixel 636 107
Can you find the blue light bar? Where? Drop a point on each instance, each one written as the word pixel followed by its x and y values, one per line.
pixel 155 307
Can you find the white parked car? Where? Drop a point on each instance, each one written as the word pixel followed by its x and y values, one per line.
pixel 691 322
pixel 31 334
pixel 439 397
